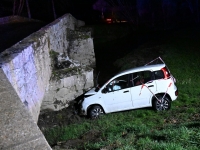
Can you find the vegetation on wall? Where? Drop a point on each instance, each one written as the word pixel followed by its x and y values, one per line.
pixel 65 68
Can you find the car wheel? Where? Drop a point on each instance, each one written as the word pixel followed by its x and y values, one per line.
pixel 161 103
pixel 95 112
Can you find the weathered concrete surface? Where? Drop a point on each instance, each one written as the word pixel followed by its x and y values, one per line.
pixel 25 78
pixel 28 65
pixel 79 58
pixel 64 90
pixel 82 51
pixel 18 131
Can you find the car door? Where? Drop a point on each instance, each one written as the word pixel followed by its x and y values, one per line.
pixel 118 97
pixel 143 88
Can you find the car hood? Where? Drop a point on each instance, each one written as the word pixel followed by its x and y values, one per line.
pixel 91 92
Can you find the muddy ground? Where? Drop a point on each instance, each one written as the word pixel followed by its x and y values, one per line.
pixel 106 55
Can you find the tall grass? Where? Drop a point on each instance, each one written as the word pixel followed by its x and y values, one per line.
pixel 145 129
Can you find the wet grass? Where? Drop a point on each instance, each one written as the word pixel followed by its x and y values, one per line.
pixel 176 129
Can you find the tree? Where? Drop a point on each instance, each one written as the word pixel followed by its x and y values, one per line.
pixel 28 9
pixel 127 10
pixel 53 8
pixel 194 8
pixel 119 9
pixel 14 7
pixel 18 7
pixel 101 5
pixel 197 7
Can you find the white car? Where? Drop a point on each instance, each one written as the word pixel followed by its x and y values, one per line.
pixel 146 86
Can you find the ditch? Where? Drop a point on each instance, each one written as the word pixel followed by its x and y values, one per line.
pixel 106 56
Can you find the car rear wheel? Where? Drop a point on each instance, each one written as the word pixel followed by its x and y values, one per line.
pixel 161 103
pixel 95 112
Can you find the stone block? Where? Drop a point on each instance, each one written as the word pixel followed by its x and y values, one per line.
pixel 69 81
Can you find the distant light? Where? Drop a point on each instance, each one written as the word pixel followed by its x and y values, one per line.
pixel 109 20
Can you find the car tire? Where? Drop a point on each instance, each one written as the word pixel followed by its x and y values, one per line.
pixel 95 112
pixel 161 103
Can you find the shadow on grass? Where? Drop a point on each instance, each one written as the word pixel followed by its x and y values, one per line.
pixel 193 125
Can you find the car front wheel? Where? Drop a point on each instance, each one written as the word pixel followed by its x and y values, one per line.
pixel 95 112
pixel 161 103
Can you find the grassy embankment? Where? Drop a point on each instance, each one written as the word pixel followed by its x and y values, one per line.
pixel 176 129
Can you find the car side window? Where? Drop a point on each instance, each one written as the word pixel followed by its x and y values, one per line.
pixel 140 78
pixel 118 83
pixel 159 74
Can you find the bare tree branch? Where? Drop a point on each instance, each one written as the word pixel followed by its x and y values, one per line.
pixel 28 9
pixel 53 8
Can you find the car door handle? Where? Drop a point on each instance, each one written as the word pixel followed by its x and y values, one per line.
pixel 151 86
pixel 125 91
pixel 150 81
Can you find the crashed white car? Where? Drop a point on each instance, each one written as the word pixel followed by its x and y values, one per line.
pixel 145 86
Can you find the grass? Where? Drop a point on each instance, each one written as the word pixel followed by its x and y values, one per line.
pixel 145 129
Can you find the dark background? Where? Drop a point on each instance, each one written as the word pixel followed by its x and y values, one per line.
pixel 155 14
pixel 42 9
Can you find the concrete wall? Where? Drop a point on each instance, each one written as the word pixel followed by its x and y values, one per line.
pixel 18 131
pixel 26 80
pixel 28 65
pixel 64 90
pixel 68 85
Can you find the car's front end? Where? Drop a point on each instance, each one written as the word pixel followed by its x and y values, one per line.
pixel 86 100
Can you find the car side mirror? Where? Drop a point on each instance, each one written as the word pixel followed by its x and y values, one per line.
pixel 105 90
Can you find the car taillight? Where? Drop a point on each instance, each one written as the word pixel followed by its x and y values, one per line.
pixel 166 72
pixel 176 92
pixel 174 79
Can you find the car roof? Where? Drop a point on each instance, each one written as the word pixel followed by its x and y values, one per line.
pixel 142 68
